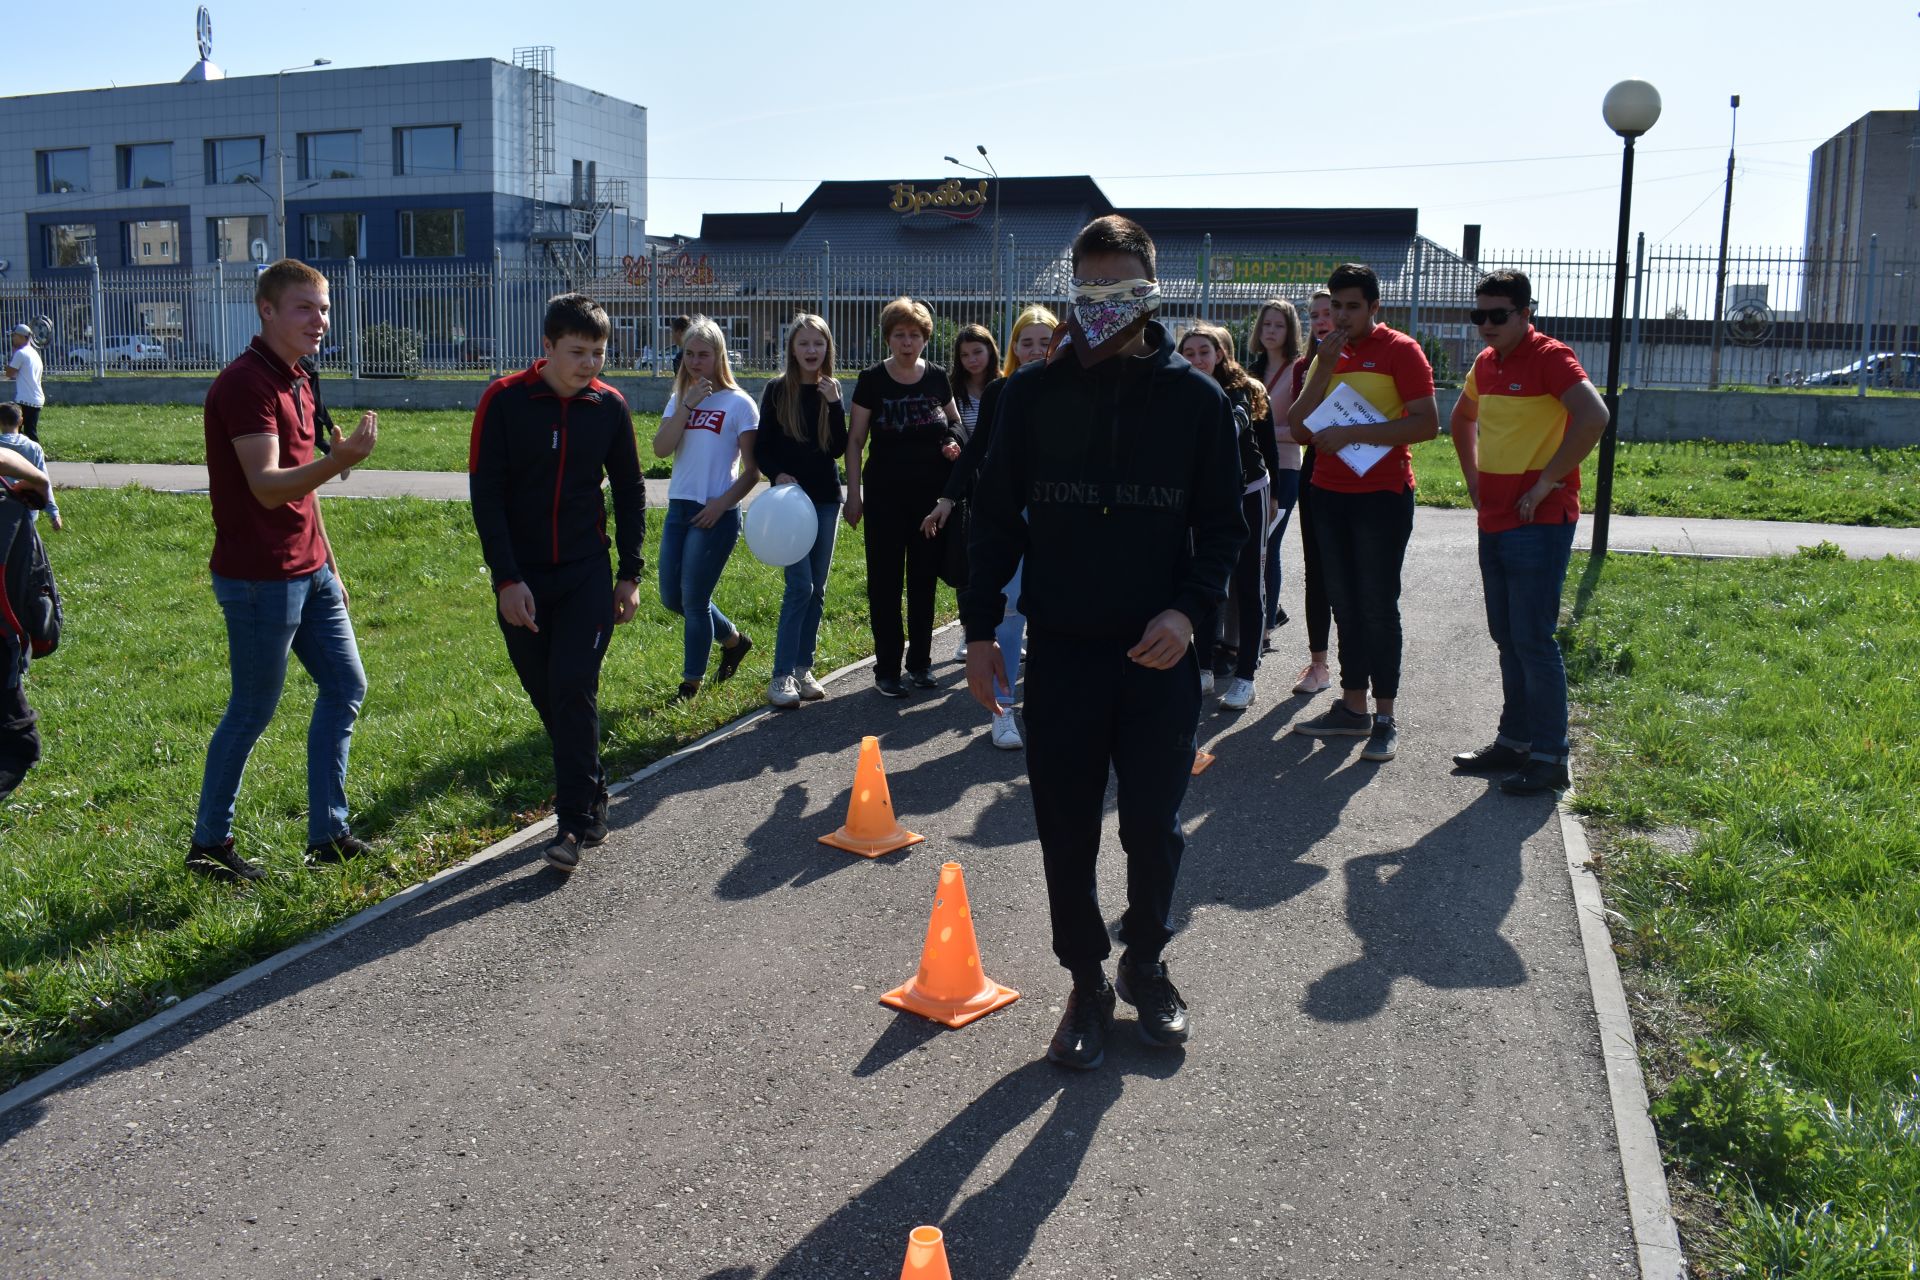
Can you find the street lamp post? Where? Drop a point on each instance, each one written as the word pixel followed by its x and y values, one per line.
pixel 990 172
pixel 1630 109
pixel 1720 275
pixel 280 152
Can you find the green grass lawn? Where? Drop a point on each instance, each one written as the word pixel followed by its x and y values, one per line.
pixel 1700 480
pixel 1709 480
pixel 410 439
pixel 100 926
pixel 1753 774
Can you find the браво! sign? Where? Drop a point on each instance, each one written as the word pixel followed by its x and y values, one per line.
pixel 949 199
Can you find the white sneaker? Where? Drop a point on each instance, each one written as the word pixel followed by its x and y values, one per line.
pixel 783 691
pixel 1206 684
pixel 1006 734
pixel 1238 696
pixel 811 690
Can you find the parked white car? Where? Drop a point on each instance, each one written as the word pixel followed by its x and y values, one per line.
pixel 123 351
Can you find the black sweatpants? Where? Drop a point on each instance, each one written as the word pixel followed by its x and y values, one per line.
pixel 1363 543
pixel 19 736
pixel 1091 708
pixel 30 421
pixel 559 667
pixel 1319 612
pixel 896 502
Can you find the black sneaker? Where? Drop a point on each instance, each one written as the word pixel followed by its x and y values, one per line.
pixel 1080 1041
pixel 1382 741
pixel 595 833
pixel 686 691
pixel 339 849
pixel 220 862
pixel 889 687
pixel 921 679
pixel 730 659
pixel 1163 1014
pixel 564 853
pixel 1489 758
pixel 1537 777
pixel 1338 722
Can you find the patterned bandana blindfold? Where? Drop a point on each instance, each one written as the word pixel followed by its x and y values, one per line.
pixel 1103 314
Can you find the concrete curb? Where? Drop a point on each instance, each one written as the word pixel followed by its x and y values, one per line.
pixel 54 1077
pixel 1655 1236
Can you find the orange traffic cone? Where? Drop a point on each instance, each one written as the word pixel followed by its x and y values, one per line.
pixel 926 1256
pixel 1201 759
pixel 950 986
pixel 871 829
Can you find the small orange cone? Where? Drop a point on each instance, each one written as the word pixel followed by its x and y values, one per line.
pixel 926 1256
pixel 1201 759
pixel 950 986
pixel 871 829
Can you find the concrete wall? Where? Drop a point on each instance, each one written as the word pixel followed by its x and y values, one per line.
pixel 1881 422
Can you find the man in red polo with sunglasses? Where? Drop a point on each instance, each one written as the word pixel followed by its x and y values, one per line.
pixel 1524 420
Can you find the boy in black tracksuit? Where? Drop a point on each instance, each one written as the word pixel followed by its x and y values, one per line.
pixel 542 439
pixel 1122 458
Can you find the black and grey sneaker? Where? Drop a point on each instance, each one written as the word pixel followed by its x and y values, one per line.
pixel 1080 1041
pixel 687 691
pixel 564 853
pixel 1536 778
pixel 889 687
pixel 1494 756
pixel 220 862
pixel 922 679
pixel 1338 722
pixel 1163 1014
pixel 730 659
pixel 1383 741
pixel 339 849
pixel 594 834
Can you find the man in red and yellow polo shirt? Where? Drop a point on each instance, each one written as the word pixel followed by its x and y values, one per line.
pixel 1362 520
pixel 1524 420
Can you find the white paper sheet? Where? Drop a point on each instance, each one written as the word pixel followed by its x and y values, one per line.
pixel 1345 407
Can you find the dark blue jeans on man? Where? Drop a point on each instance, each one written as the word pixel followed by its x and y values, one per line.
pixel 267 620
pixel 1524 571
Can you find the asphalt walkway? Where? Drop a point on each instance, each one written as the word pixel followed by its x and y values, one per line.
pixel 1629 533
pixel 676 1064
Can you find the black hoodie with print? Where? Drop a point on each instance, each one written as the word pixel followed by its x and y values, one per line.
pixel 1120 484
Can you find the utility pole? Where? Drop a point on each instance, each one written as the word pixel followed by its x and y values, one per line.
pixel 1720 277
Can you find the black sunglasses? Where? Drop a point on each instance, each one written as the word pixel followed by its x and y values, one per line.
pixel 1493 315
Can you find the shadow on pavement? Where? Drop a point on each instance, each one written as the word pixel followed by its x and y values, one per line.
pixel 991 1232
pixel 451 903
pixel 1432 912
pixel 903 1035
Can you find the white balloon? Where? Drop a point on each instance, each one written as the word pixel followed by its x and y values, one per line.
pixel 782 525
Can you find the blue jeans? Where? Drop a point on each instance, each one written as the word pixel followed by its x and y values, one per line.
pixel 806 597
pixel 1524 571
pixel 265 621
pixel 1010 635
pixel 690 563
pixel 1286 492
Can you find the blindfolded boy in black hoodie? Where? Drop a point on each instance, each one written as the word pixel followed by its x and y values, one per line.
pixel 1113 470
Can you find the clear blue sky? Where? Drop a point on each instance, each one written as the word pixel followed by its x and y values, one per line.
pixel 1489 117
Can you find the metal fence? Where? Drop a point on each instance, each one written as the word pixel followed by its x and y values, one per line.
pixel 1785 319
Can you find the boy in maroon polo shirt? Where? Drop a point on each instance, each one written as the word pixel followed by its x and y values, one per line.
pixel 273 572
pixel 542 440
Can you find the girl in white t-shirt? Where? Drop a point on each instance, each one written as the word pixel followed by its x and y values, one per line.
pixel 708 430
